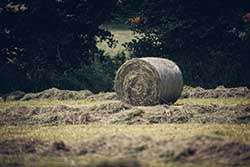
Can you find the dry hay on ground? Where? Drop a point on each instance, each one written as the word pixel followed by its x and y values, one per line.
pixel 191 149
pixel 53 93
pixel 140 147
pixel 121 113
pixel 17 95
pixel 57 94
pixel 103 96
pixel 220 91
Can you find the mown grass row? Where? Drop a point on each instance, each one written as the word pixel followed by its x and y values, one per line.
pixel 78 103
pixel 79 133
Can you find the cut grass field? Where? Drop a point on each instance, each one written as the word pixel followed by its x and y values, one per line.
pixel 49 102
pixel 110 145
pixel 81 133
pixel 77 103
pixel 76 134
pixel 94 161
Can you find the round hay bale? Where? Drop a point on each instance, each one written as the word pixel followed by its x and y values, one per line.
pixel 148 81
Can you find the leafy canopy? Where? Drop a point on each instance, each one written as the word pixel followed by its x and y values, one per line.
pixel 43 39
pixel 210 40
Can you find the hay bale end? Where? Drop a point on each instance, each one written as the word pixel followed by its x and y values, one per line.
pixel 148 81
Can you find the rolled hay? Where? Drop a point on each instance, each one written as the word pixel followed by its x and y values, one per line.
pixel 148 81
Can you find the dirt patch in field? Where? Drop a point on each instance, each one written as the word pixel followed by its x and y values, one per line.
pixel 130 162
pixel 121 113
pixel 221 91
pixel 142 148
pixel 18 146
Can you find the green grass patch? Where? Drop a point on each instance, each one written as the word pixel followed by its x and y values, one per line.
pixel 48 102
pixel 79 133
pixel 78 103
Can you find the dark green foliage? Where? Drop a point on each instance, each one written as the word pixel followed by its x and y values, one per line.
pixel 210 40
pixel 96 77
pixel 43 42
pixel 126 9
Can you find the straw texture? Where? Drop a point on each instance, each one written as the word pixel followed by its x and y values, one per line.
pixel 148 81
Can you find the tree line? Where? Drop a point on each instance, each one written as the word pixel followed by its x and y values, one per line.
pixel 52 43
pixel 210 40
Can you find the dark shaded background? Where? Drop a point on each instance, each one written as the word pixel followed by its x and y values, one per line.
pixel 52 43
